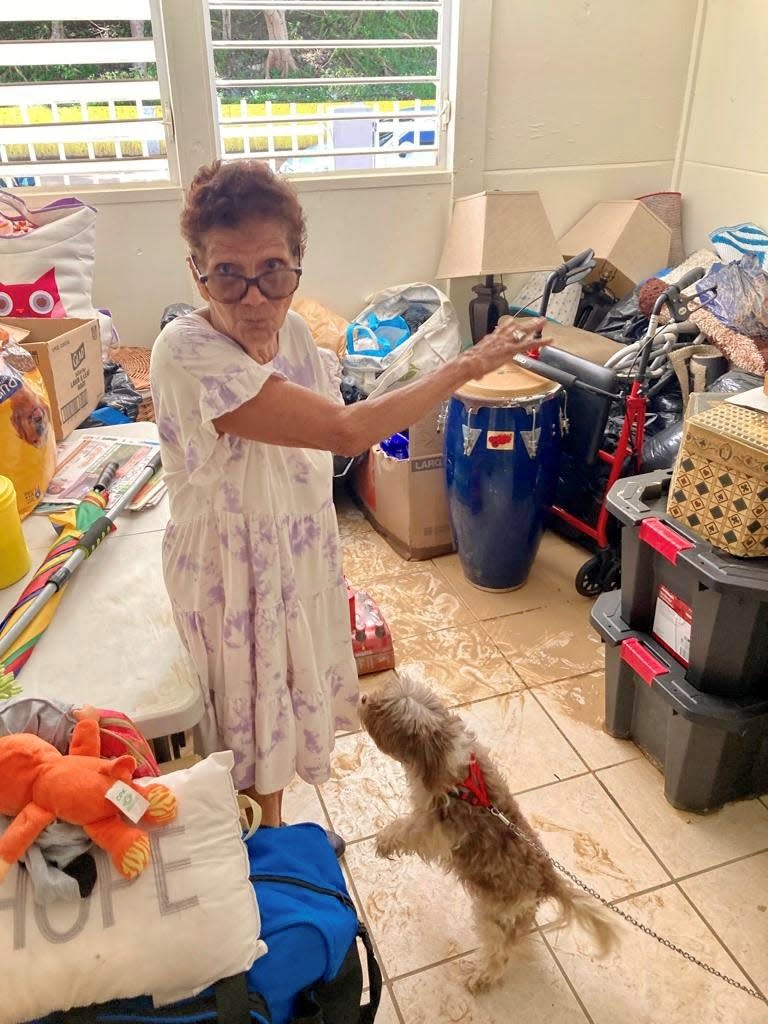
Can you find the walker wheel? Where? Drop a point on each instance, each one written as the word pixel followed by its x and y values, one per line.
pixel 589 578
pixel 612 575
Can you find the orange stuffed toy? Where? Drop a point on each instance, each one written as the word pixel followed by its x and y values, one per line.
pixel 39 785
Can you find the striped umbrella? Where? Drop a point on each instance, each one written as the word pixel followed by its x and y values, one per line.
pixel 72 525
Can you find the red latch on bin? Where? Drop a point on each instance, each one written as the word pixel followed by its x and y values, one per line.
pixel 664 539
pixel 638 657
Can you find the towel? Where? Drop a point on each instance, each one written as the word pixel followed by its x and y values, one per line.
pixel 731 243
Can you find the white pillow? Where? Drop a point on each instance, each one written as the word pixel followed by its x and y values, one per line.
pixel 189 919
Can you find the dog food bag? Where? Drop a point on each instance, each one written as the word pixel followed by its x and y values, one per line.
pixel 27 444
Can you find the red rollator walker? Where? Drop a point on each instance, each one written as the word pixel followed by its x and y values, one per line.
pixel 591 393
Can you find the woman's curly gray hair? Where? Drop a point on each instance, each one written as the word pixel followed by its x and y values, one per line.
pixel 226 195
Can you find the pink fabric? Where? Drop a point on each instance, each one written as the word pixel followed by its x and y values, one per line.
pixel 120 736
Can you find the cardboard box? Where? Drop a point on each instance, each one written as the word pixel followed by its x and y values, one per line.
pixel 68 354
pixel 405 499
pixel 630 243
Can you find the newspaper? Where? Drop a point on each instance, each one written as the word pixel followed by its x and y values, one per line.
pixel 82 458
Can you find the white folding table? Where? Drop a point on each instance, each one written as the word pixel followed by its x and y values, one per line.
pixel 112 641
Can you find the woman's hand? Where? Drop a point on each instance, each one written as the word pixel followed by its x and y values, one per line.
pixel 509 338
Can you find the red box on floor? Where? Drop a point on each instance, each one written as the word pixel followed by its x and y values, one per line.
pixel 371 638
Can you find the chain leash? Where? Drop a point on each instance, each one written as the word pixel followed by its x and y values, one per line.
pixel 623 914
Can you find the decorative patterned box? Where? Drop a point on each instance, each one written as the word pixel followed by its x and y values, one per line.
pixel 720 485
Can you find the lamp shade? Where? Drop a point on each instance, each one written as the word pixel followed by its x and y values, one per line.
pixel 498 233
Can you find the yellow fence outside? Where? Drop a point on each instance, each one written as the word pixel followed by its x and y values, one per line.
pixel 98 112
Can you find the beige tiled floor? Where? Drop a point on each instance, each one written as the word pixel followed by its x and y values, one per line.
pixel 526 671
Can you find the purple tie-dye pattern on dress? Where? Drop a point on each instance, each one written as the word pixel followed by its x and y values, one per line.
pixel 252 559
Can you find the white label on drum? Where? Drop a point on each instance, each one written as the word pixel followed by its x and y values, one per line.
pixel 500 440
pixel 471 435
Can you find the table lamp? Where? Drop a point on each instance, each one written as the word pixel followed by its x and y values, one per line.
pixel 496 233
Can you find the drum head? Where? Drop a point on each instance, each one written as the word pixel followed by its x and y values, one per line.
pixel 505 386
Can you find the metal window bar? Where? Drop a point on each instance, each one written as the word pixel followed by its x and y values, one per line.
pixel 78 167
pixel 42 93
pixel 83 10
pixel 321 6
pixel 325 44
pixel 44 52
pixel 345 151
pixel 292 83
pixel 362 115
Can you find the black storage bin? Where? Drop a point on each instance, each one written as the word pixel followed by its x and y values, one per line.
pixel 710 750
pixel 706 607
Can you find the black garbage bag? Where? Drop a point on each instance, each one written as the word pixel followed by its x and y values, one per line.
pixel 595 302
pixel 624 322
pixel 119 394
pixel 660 450
pixel 342 464
pixel 664 408
pixel 418 313
pixel 174 310
pixel 736 382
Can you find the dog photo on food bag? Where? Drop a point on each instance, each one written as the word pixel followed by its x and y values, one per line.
pixel 453 786
pixel 29 417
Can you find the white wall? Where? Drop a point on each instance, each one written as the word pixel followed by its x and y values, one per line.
pixel 140 259
pixel 364 238
pixel 584 99
pixel 724 172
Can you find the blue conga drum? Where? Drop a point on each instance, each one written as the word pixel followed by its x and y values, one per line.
pixel 502 453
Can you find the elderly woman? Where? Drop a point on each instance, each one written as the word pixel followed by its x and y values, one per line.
pixel 248 417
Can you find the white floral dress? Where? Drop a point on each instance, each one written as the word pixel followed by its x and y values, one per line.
pixel 252 559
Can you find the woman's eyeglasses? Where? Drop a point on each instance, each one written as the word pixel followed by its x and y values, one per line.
pixel 273 284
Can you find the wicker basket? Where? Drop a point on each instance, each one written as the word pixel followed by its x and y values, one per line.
pixel 720 485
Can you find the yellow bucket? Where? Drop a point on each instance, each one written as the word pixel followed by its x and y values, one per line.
pixel 14 554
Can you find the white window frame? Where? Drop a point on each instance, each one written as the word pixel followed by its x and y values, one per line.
pixel 183 53
pixel 439 116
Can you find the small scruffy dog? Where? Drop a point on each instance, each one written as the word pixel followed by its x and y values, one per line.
pixel 506 877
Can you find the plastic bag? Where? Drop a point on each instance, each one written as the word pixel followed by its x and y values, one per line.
pixel 434 342
pixel 120 397
pixel 27 444
pixel 737 295
pixel 735 382
pixel 374 337
pixel 174 310
pixel 624 322
pixel 342 464
pixel 397 446
pixel 595 302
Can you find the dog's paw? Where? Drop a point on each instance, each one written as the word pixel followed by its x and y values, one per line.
pixel 479 980
pixel 385 845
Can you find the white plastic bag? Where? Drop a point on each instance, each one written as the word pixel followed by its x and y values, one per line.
pixel 435 342
pixel 46 260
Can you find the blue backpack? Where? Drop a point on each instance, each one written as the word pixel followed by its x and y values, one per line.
pixel 312 973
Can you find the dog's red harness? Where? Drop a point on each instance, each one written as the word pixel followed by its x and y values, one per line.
pixel 473 788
